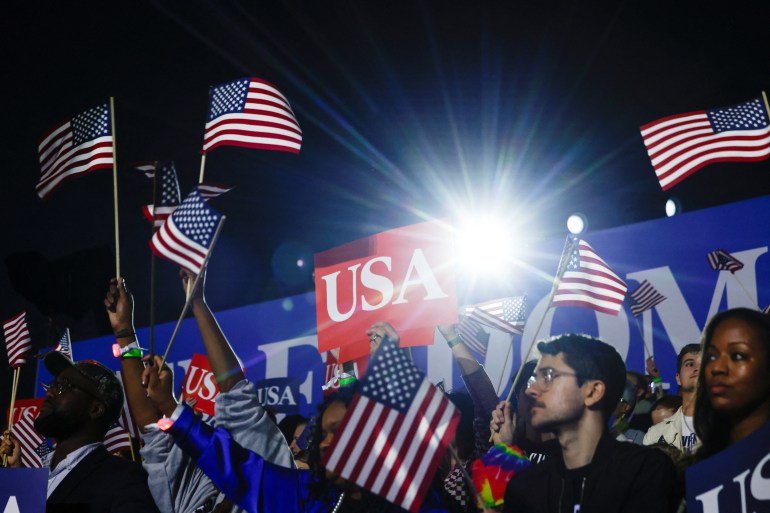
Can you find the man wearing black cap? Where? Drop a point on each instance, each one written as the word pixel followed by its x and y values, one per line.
pixel 81 403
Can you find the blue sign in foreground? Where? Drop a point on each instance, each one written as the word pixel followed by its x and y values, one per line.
pixel 737 480
pixel 23 490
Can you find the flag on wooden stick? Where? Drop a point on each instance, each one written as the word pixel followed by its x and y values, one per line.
pixel 77 146
pixel 186 236
pixel 34 447
pixel 584 279
pixel 167 196
pixel 65 346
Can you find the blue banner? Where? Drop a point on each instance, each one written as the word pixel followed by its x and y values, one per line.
pixel 23 490
pixel 277 339
pixel 735 480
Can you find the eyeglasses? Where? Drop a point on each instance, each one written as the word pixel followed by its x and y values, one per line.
pixel 544 377
pixel 63 385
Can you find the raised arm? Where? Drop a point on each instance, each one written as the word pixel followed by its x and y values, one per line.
pixel 225 364
pixel 120 309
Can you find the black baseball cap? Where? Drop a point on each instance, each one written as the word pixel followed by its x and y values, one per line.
pixel 104 383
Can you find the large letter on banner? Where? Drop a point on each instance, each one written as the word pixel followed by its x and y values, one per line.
pixel 23 489
pixel 402 276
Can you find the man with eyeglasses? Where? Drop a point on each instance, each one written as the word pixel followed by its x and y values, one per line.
pixel 576 385
pixel 81 403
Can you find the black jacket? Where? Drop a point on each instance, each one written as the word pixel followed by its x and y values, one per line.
pixel 102 483
pixel 622 478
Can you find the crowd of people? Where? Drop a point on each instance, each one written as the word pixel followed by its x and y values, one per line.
pixel 598 438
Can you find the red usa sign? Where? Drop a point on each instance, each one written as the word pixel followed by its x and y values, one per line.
pixel 21 406
pixel 402 276
pixel 200 387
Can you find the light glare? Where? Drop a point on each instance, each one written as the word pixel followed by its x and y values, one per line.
pixel 576 223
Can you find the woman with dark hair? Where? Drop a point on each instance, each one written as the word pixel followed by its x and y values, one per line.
pixel 733 392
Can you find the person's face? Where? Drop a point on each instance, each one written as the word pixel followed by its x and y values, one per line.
pixel 559 401
pixel 736 376
pixel 67 406
pixel 297 432
pixel 660 414
pixel 687 377
pixel 330 422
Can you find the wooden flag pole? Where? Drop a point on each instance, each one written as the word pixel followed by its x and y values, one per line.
pixel 753 301
pixel 507 356
pixel 559 274
pixel 203 168
pixel 115 187
pixel 152 262
pixel 130 445
pixel 767 106
pixel 191 290
pixel 14 387
pixel 641 333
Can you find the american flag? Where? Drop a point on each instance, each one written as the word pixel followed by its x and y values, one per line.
pixel 186 236
pixel 65 347
pixel 766 310
pixel 473 336
pixel 507 314
pixel 212 190
pixel 116 439
pixel 721 260
pixel 17 339
pixel 147 167
pixel 395 430
pixel 584 279
pixel 167 189
pixel 680 145
pixel 33 445
pixel 75 147
pixel 644 297
pixel 252 113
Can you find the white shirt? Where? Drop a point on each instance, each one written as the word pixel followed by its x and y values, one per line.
pixel 64 467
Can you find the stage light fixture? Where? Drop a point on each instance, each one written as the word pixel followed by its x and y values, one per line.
pixel 673 207
pixel 484 245
pixel 577 223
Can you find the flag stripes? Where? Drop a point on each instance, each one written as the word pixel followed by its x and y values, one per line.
pixel 251 112
pixel 644 297
pixel 17 339
pixel 587 280
pixel 75 147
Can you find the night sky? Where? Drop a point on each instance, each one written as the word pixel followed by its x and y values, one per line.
pixel 410 111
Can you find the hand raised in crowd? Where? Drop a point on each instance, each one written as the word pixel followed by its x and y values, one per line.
pixel 159 385
pixel 11 450
pixel 378 331
pixel 120 306
pixel 652 368
pixel 502 423
pixel 188 279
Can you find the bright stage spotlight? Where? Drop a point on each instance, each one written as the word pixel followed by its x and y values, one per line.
pixel 673 207
pixel 576 223
pixel 484 245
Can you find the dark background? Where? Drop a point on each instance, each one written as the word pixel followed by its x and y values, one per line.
pixel 410 111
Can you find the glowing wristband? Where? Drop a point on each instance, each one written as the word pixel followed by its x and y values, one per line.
pixel 347 379
pixel 165 423
pixel 657 380
pixel 132 353
pixel 119 352
pixel 454 341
